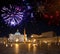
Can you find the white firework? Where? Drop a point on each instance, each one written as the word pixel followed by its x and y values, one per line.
pixel 12 15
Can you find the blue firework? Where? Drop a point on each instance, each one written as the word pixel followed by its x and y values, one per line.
pixel 12 15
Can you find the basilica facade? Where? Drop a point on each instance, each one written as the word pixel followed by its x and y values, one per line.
pixel 18 37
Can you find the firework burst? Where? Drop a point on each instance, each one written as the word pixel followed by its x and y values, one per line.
pixel 14 15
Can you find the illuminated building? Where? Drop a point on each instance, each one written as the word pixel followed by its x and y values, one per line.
pixel 18 37
pixel 45 37
pixel 48 34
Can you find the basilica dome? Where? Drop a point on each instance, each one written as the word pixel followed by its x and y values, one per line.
pixel 17 33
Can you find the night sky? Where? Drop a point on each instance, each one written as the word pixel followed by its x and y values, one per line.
pixel 35 25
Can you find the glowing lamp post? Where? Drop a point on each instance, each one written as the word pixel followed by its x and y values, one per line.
pixel 17 40
pixel 32 36
pixel 34 40
pixel 45 42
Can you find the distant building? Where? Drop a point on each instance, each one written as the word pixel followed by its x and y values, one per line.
pixel 44 37
pixel 48 34
pixel 17 37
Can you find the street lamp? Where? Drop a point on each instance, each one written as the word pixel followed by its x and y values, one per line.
pixel 17 40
